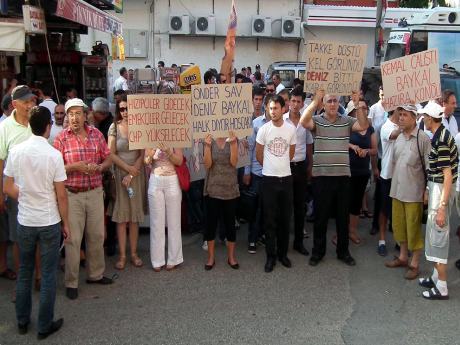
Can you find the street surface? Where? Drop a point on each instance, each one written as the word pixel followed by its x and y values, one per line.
pixel 328 304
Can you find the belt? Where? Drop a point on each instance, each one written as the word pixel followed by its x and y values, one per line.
pixel 277 178
pixel 76 190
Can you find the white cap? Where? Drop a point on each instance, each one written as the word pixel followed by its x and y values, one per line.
pixel 432 109
pixel 74 102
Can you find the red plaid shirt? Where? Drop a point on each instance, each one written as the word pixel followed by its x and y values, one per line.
pixel 93 149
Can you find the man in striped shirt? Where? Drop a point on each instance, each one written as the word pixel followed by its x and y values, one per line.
pixel 331 171
pixel 442 174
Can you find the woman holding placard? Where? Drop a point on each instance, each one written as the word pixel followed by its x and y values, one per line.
pixel 165 197
pixel 128 204
pixel 221 192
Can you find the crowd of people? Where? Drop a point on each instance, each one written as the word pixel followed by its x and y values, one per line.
pixel 71 181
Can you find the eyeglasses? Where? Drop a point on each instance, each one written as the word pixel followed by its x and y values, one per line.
pixel 333 100
pixel 123 109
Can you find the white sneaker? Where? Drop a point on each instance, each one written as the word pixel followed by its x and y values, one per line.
pixel 205 245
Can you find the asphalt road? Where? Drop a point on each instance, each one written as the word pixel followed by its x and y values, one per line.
pixel 327 304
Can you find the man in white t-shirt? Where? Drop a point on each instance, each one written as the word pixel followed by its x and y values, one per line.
pixel 301 165
pixel 35 176
pixel 47 101
pixel 121 83
pixel 58 124
pixel 275 148
pixel 277 81
pixel 388 135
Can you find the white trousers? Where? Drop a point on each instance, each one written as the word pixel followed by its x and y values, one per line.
pixel 165 197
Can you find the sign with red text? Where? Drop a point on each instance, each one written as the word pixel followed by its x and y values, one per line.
pixel 411 79
pixel 220 108
pixel 34 19
pixel 335 67
pixel 154 119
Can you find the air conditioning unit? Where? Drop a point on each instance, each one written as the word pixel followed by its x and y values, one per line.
pixel 179 24
pixel 261 26
pixel 290 27
pixel 205 25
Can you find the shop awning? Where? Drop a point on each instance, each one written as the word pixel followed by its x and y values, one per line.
pixel 12 36
pixel 83 13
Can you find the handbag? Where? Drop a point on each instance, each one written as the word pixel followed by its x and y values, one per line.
pixel 183 174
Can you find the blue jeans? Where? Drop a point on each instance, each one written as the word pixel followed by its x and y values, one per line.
pixel 48 238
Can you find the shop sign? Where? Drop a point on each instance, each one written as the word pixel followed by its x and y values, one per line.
pixel 34 19
pixel 85 14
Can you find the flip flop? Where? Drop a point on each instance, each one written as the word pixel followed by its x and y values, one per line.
pixel 8 274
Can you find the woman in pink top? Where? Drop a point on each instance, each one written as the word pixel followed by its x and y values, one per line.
pixel 165 197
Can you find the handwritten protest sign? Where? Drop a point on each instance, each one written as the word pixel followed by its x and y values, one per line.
pixel 217 109
pixel 411 79
pixel 195 161
pixel 159 118
pixel 334 67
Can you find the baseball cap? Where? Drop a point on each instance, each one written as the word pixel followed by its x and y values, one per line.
pixel 22 93
pixel 409 107
pixel 432 109
pixel 74 102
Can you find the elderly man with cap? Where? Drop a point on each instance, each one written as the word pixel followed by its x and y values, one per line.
pixel 13 131
pixel 410 157
pixel 442 174
pixel 86 155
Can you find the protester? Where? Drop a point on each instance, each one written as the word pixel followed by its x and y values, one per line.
pixel 277 82
pixel 275 148
pixel 209 78
pixel 165 197
pixel 285 94
pixel 127 210
pixel 102 117
pixel 221 192
pixel 362 150
pixel 47 99
pixel 410 157
pixel 331 172
pixel 449 102
pixel 161 64
pixel 121 83
pixel 86 155
pixel 13 131
pixel 257 100
pixel 377 117
pixel 300 165
pixel 71 93
pixel 388 135
pixel 257 79
pixel 442 173
pixel 58 124
pixel 253 178
pixel 270 88
pixel 7 107
pixel 35 176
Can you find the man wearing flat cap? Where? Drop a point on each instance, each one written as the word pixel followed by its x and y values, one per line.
pixel 86 155
pixel 410 157
pixel 14 130
pixel 442 174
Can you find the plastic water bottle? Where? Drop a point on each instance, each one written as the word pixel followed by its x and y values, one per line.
pixel 130 191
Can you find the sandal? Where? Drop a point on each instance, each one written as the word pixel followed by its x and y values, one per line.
pixel 157 269
pixel 426 283
pixel 121 263
pixel 136 260
pixel 434 294
pixel 354 238
pixel 171 267
pixel 8 274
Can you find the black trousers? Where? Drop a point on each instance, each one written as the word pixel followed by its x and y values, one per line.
pixel 331 193
pixel 299 176
pixel 226 211
pixel 277 208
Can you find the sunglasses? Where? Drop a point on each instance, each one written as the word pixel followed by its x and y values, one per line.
pixel 269 90
pixel 123 109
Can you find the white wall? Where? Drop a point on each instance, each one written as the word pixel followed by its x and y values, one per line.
pixel 204 51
